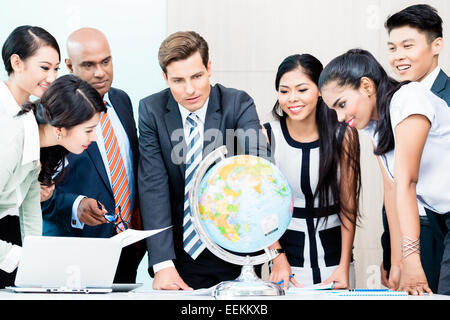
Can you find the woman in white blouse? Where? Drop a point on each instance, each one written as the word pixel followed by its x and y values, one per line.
pixel 410 128
pixel 31 57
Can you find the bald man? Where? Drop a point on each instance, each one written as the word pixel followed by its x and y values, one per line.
pixel 90 58
pixel 101 180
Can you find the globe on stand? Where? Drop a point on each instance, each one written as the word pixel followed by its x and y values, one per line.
pixel 243 204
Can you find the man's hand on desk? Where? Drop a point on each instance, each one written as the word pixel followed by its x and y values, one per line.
pixel 169 279
pixel 89 212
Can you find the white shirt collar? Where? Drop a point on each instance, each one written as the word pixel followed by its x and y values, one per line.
pixel 106 99
pixel 31 144
pixel 201 113
pixel 431 78
pixel 9 103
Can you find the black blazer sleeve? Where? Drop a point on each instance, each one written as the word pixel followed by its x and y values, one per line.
pixel 153 184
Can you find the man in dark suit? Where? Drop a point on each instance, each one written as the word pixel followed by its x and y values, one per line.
pixel 167 122
pixel 415 42
pixel 441 86
pixel 88 187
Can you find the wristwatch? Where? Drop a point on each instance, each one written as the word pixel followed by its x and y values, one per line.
pixel 279 250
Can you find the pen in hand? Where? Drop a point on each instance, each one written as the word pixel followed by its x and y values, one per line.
pixel 290 277
pixel 106 216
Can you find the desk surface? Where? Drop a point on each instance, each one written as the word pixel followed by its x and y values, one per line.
pixel 202 295
pixel 187 306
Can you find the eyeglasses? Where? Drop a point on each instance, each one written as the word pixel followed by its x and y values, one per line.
pixel 117 220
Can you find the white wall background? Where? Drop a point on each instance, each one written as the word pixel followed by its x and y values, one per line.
pixel 134 28
pixel 248 39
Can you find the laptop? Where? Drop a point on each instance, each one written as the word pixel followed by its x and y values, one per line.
pixel 67 265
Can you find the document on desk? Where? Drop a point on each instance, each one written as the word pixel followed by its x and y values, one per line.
pixel 131 236
pixel 315 287
pixel 371 292
pixel 199 292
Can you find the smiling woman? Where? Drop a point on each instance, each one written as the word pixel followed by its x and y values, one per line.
pixel 320 157
pixel 31 56
pixel 410 130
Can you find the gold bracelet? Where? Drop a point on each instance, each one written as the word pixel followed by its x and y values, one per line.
pixel 410 246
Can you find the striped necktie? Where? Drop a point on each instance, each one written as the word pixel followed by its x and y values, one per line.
pixel 119 179
pixel 191 241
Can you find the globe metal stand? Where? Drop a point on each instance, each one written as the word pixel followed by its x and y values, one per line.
pixel 248 283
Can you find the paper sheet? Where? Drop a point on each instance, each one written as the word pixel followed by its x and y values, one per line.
pixel 369 293
pixel 315 287
pixel 131 236
pixel 199 292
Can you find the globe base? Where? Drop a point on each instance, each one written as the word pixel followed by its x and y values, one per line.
pixel 247 284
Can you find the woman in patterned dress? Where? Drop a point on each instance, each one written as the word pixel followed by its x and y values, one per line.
pixel 320 158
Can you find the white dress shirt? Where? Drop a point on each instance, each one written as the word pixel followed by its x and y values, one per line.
pixel 8 104
pixel 429 80
pixel 31 148
pixel 415 98
pixel 30 220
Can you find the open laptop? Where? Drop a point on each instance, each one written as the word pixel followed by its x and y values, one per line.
pixel 67 265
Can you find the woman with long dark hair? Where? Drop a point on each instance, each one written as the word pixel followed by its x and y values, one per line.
pixel 62 121
pixel 410 129
pixel 320 159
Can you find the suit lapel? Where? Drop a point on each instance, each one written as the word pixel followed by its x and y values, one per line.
pixel 96 158
pixel 439 83
pixel 122 113
pixel 212 123
pixel 175 133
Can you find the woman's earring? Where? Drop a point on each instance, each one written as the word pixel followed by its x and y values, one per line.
pixel 58 136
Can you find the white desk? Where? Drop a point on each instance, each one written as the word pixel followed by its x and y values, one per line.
pixel 144 305
pixel 155 295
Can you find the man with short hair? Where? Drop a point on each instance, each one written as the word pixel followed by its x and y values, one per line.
pixel 201 117
pixel 415 42
pixel 102 179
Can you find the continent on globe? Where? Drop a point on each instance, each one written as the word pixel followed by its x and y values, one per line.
pixel 245 203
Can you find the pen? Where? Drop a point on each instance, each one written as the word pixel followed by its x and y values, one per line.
pixel 280 282
pixel 369 290
pixel 106 215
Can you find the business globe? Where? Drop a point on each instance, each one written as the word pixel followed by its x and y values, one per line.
pixel 245 203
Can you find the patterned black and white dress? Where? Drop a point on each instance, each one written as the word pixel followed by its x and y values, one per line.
pixel 312 254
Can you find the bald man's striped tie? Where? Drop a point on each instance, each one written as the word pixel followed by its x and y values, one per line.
pixel 119 178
